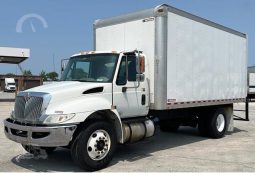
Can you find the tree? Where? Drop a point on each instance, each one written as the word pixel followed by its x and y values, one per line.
pixel 10 74
pixel 52 76
pixel 27 73
pixel 43 75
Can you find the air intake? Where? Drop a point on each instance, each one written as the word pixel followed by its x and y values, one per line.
pixel 94 90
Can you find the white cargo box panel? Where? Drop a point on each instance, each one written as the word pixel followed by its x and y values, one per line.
pixel 192 61
pixel 203 62
pixel 13 55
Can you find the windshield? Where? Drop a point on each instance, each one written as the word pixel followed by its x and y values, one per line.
pixel 91 68
pixel 11 83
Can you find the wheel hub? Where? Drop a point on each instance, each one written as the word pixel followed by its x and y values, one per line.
pixel 98 145
pixel 220 122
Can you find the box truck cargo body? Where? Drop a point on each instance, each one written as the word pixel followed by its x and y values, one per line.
pixel 158 67
pixel 191 61
pixel 252 83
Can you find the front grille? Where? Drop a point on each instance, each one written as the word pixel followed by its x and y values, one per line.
pixel 28 108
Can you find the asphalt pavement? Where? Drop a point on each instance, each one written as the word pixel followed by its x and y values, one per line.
pixel 184 150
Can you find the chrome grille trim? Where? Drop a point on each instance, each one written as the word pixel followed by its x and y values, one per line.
pixel 29 106
pixel 19 108
pixel 33 109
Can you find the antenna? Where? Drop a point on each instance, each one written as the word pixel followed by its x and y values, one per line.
pixel 54 62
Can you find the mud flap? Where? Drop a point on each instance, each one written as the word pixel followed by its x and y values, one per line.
pixel 229 118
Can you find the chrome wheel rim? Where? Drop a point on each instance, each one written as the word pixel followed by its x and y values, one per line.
pixel 220 122
pixel 98 145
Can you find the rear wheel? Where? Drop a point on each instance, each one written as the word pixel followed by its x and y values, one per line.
pixel 94 147
pixel 217 124
pixel 213 123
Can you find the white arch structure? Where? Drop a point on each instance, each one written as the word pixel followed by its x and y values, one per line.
pixel 29 16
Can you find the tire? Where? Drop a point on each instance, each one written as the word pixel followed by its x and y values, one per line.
pixel 37 150
pixel 168 126
pixel 73 149
pixel 97 137
pixel 217 123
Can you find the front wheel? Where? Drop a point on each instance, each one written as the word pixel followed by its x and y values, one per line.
pixel 94 147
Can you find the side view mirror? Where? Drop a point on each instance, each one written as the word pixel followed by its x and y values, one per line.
pixel 63 64
pixel 140 64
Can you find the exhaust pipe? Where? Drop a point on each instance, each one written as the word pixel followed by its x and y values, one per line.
pixel 133 132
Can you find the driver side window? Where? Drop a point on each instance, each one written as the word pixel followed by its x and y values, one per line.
pixel 122 76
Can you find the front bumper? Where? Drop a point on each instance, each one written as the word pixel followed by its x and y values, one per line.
pixel 44 136
pixel 10 89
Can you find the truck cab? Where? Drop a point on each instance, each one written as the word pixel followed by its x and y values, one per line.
pixel 112 76
pixel 10 84
pixel 98 90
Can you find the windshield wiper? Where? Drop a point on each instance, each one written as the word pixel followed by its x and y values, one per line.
pixel 79 80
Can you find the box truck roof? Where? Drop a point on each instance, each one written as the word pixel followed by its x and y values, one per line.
pixel 161 10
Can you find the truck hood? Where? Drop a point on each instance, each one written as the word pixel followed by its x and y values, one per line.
pixel 60 91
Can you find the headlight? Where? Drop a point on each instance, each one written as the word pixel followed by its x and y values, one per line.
pixel 58 118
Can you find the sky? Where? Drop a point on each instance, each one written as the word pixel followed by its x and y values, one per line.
pixel 57 29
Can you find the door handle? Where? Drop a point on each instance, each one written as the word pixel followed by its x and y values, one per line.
pixel 124 89
pixel 143 100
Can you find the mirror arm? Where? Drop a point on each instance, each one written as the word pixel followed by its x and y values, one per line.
pixel 124 89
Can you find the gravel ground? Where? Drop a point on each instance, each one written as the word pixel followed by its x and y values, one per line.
pixel 181 151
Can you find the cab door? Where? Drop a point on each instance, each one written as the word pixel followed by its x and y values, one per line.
pixel 128 95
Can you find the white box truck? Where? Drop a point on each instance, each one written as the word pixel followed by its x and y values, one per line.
pixel 10 85
pixel 158 66
pixel 252 83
